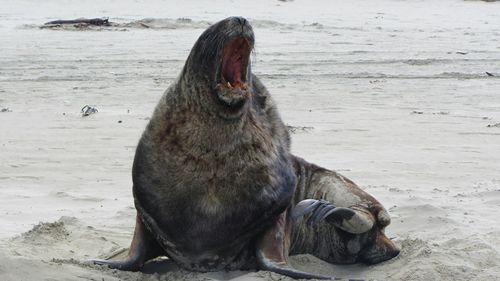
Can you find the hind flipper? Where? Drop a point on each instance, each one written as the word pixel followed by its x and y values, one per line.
pixel 349 219
pixel 143 248
pixel 273 247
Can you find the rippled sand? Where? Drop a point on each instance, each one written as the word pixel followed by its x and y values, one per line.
pixel 394 95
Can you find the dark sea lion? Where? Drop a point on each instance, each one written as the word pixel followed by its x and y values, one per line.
pixel 96 21
pixel 349 223
pixel 216 187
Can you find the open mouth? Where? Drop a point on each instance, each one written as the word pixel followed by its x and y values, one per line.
pixel 234 63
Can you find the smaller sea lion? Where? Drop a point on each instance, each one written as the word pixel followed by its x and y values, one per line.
pixel 338 223
pixel 215 185
pixel 348 223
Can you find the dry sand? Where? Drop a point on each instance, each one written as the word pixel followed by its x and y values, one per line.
pixel 395 93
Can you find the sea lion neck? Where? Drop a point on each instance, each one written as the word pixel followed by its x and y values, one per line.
pixel 203 131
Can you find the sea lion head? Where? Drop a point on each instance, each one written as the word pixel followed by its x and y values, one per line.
pixel 369 247
pixel 378 247
pixel 218 68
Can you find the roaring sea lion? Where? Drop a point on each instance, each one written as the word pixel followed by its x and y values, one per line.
pixel 215 185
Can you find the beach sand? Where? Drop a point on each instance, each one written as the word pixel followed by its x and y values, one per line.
pixel 393 94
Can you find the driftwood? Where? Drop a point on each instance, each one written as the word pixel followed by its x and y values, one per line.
pixel 96 21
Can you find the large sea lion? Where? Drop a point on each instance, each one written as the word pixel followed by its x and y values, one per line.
pixel 216 187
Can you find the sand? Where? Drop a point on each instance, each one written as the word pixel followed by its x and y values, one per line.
pixel 392 94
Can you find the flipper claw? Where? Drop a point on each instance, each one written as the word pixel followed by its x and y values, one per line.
pixel 304 207
pixel 319 210
pixel 321 213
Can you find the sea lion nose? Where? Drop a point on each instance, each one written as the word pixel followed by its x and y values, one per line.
pixel 241 20
pixel 381 250
pixel 240 27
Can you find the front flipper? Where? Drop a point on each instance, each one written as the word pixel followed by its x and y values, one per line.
pixel 351 220
pixel 273 247
pixel 143 248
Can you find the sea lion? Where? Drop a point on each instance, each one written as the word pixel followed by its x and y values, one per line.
pixel 355 234
pixel 215 185
pixel 95 21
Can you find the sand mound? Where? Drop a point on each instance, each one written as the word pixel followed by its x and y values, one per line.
pixel 47 232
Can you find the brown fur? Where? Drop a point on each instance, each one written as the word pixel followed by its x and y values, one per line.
pixel 206 184
pixel 215 183
pixel 338 242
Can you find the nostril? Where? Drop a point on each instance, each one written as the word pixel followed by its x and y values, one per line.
pixel 241 20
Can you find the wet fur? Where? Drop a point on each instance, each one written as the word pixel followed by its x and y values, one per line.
pixel 213 184
pixel 207 185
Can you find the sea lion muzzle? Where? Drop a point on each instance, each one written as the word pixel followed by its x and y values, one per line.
pixel 232 88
